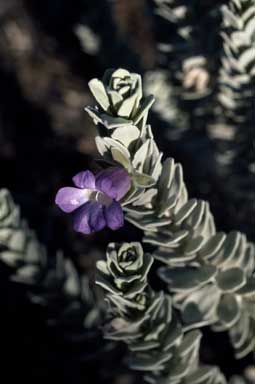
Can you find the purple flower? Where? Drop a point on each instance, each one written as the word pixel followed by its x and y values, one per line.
pixel 95 199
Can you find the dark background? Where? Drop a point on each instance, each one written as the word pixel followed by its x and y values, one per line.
pixel 46 137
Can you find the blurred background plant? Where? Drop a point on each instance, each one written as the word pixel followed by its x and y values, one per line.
pixel 189 52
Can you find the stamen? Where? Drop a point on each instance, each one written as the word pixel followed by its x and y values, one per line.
pixel 102 198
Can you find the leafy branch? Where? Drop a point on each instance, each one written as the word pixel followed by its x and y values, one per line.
pixel 209 274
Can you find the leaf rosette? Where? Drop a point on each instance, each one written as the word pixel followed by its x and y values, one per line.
pixel 124 273
pixel 119 96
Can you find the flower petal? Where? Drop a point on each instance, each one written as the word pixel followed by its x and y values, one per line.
pixel 84 179
pixel 81 219
pixel 89 218
pixel 114 216
pixel 97 219
pixel 114 182
pixel 69 198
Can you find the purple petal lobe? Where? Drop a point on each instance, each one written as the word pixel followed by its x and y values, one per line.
pixel 114 182
pixel 89 218
pixel 81 219
pixel 69 198
pixel 97 219
pixel 114 215
pixel 84 180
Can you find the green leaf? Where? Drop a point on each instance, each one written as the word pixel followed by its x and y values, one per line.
pixel 190 340
pixel 248 289
pixel 120 73
pixel 177 370
pixel 202 375
pixel 26 274
pixel 10 258
pixel 101 146
pixel 248 264
pixel 112 122
pixel 185 211
pixel 170 257
pixel 195 218
pixel 126 134
pixel 143 109
pixel 127 106
pixel 230 280
pixel 168 240
pixel 212 246
pixel 98 90
pixel 193 245
pixel 166 178
pixel 124 304
pixel 186 278
pixel 17 242
pixel 157 167
pixel 116 99
pixel 106 284
pixel 147 223
pixel 145 198
pixel 176 192
pixel 141 156
pixel 229 310
pixel 191 313
pixel 142 180
pixel 102 267
pixel 128 330
pixel 144 346
pixel 173 334
pixel 150 362
pixel 229 249
pixel 242 335
pixel 120 158
pixel 199 307
pixel 109 121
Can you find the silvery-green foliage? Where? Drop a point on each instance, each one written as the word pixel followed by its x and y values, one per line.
pixel 124 135
pixel 120 98
pixel 157 83
pixel 229 103
pixel 236 101
pixel 56 285
pixel 181 53
pixel 242 333
pixel 19 247
pixel 53 283
pixel 236 88
pixel 184 95
pixel 227 150
pixel 124 276
pixel 146 321
pixel 179 14
pixel 126 269
pixel 236 264
pixel 66 295
pixel 210 274
pixel 217 288
pixel 206 375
